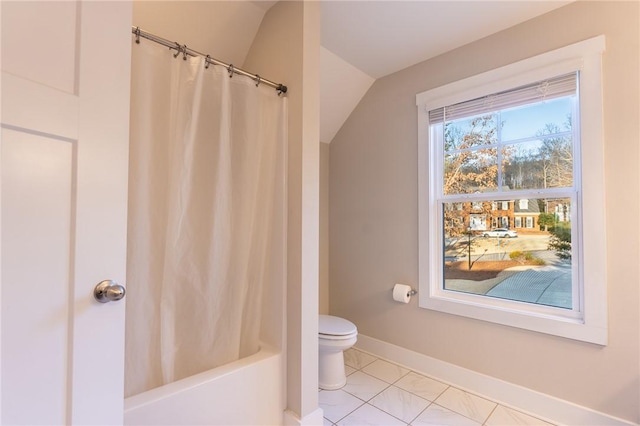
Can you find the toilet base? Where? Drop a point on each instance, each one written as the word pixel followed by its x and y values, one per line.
pixel 331 370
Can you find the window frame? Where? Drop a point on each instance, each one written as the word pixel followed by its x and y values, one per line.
pixel 589 321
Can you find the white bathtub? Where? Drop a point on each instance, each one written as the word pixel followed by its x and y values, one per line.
pixel 249 391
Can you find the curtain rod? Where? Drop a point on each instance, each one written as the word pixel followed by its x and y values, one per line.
pixel 186 51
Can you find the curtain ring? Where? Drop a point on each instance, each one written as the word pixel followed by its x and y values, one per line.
pixel 206 62
pixel 184 52
pixel 137 35
pixel 178 48
pixel 231 70
pixel 258 80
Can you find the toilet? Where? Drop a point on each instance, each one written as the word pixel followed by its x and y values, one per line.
pixel 335 335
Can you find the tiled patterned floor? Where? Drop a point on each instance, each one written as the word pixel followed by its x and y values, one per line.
pixel 381 393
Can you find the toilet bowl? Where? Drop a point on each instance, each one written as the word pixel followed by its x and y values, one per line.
pixel 335 335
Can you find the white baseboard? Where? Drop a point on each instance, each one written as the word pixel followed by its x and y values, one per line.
pixel 546 407
pixel 312 419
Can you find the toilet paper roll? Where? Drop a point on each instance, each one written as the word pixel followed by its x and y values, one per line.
pixel 401 293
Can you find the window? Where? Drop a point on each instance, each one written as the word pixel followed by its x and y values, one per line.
pixel 519 141
pixel 505 221
pixel 529 224
pixel 525 131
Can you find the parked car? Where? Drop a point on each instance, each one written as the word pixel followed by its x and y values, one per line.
pixel 500 233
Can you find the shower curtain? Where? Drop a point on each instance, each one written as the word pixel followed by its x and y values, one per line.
pixel 206 158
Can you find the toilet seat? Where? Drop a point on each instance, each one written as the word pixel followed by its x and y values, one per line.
pixel 335 328
pixel 331 337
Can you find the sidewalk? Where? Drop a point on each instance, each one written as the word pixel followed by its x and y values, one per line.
pixel 547 285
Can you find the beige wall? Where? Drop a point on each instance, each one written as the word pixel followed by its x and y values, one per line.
pixel 324 229
pixel 374 219
pixel 287 47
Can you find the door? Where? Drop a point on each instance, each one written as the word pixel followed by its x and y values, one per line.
pixel 63 200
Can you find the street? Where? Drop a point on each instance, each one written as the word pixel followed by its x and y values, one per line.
pixel 493 248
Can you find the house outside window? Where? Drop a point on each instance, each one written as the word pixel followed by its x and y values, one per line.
pixel 520 131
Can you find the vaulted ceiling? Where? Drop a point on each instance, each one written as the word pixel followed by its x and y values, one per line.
pixel 361 40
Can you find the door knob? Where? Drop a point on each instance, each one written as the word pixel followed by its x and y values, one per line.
pixel 108 291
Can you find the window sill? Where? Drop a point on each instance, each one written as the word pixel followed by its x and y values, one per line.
pixel 548 320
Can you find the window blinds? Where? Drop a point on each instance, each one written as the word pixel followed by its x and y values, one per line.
pixel 564 85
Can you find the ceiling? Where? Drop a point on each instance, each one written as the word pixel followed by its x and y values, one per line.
pixel 382 37
pixel 366 40
pixel 361 40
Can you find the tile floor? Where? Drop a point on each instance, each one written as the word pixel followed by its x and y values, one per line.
pixel 381 393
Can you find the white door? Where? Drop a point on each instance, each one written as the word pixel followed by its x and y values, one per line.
pixel 64 161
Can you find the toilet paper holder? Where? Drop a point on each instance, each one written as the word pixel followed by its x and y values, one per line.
pixel 411 292
pixel 402 293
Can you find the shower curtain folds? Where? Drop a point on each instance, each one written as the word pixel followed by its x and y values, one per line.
pixel 203 174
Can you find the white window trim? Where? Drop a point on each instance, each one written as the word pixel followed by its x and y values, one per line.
pixel 590 322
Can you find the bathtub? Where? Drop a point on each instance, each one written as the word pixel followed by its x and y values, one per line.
pixel 249 391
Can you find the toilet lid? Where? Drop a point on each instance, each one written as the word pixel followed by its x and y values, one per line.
pixel 335 326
